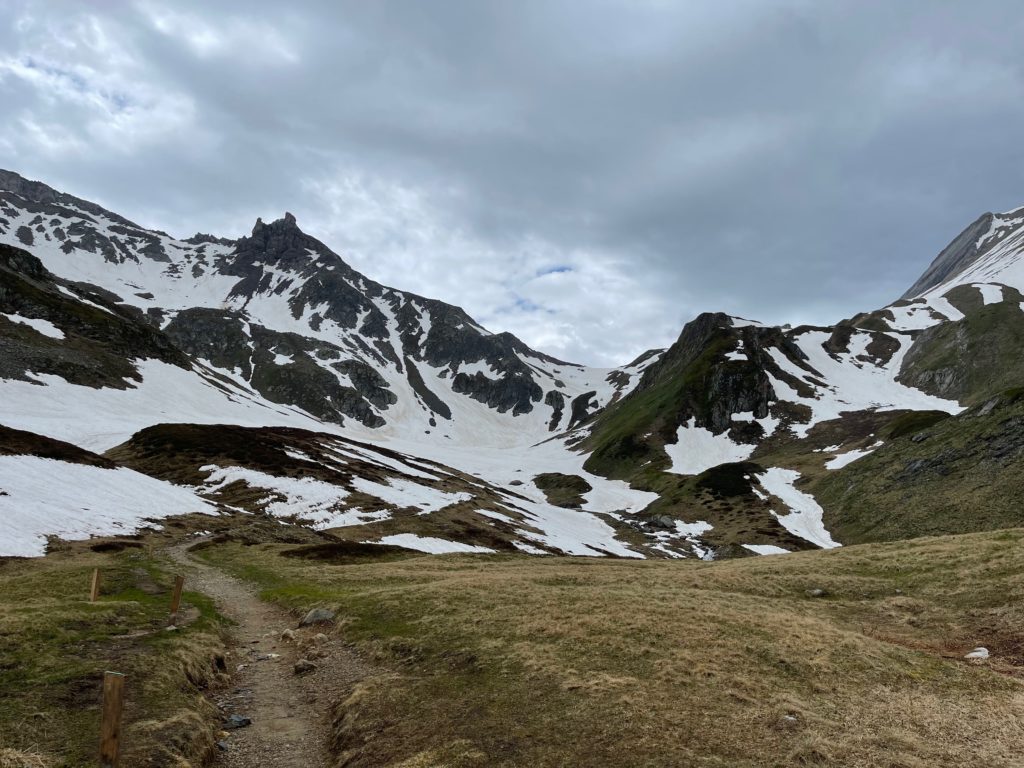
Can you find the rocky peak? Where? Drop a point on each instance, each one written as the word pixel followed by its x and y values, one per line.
pixel 954 258
pixel 282 243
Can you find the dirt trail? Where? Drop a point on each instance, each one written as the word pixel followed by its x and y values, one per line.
pixel 290 713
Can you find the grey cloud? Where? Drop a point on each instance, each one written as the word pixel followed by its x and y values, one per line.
pixel 790 161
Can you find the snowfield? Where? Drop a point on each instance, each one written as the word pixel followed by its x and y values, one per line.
pixel 40 497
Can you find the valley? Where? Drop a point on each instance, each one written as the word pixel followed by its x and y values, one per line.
pixel 760 546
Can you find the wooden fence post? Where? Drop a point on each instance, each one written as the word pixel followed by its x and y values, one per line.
pixel 179 582
pixel 110 726
pixel 94 590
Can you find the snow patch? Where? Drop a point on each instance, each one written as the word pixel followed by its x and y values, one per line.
pixel 44 327
pixel 805 515
pixel 766 549
pixel 698 449
pixel 842 459
pixel 429 544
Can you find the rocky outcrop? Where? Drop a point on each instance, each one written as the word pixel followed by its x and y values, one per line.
pixel 93 342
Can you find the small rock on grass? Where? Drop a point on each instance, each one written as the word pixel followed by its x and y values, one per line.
pixel 978 653
pixel 317 616
pixel 816 592
pixel 302 666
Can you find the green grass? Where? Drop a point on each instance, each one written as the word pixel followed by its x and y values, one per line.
pixel 971 359
pixel 961 474
pixel 55 646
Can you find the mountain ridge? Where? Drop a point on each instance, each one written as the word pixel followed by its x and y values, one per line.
pixel 707 448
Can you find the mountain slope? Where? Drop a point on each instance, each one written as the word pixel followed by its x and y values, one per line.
pixel 371 413
pixel 283 313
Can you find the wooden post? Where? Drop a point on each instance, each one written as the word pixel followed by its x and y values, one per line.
pixel 179 582
pixel 110 726
pixel 94 591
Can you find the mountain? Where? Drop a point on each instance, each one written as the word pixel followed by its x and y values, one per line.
pixel 283 313
pixel 267 376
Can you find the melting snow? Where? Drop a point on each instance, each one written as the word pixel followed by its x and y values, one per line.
pixel 76 501
pixel 698 449
pixel 805 517
pixel 405 493
pixel 429 544
pixel 990 294
pixel 841 460
pixel 853 384
pixel 44 327
pixel 766 549
pixel 305 497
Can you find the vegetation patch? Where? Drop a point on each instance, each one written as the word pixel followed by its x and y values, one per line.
pixel 55 646
pixel 956 475
pixel 563 490
pixel 509 661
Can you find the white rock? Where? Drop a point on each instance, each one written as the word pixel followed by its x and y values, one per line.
pixel 978 653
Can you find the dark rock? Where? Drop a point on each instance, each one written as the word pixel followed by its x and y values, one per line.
pixel 304 666
pixel 234 722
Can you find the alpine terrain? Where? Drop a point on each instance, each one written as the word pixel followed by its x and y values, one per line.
pixel 264 375
pixel 298 440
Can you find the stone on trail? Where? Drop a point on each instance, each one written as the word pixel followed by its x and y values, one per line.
pixel 236 721
pixel 302 666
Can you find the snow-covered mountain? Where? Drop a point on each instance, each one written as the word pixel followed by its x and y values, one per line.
pixel 281 313
pixel 379 413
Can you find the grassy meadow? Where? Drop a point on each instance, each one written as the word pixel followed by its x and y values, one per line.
pixel 517 661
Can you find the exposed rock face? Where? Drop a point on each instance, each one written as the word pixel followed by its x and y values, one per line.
pixel 515 393
pixel 715 388
pixel 283 367
pixel 94 343
pixel 955 257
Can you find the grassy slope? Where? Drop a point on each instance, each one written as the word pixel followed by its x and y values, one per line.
pixel 55 646
pixel 971 359
pixel 503 661
pixel 675 385
pixel 966 475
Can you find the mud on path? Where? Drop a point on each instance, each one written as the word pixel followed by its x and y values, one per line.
pixel 290 713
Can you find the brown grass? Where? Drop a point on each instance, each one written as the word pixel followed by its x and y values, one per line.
pixel 509 661
pixel 11 758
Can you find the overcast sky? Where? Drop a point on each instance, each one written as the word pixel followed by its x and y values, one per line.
pixel 588 175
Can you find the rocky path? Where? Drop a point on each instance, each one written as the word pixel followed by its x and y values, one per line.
pixel 289 711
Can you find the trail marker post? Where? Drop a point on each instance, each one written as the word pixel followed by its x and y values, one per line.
pixel 94 589
pixel 110 725
pixel 179 583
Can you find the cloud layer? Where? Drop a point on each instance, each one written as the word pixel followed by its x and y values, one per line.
pixel 588 176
